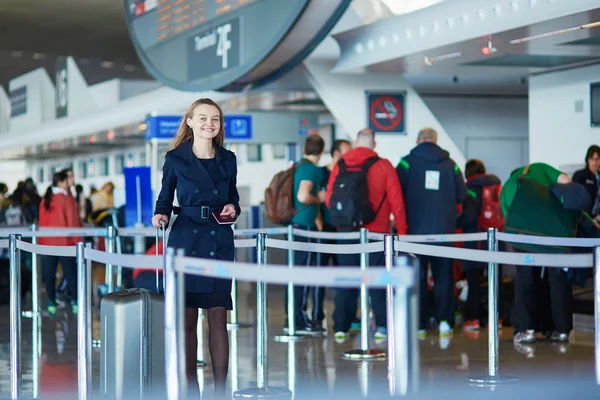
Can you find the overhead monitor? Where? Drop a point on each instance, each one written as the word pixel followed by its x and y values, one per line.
pixel 200 45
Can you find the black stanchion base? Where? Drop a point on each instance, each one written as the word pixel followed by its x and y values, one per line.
pixel 371 354
pixel 201 364
pixel 487 381
pixel 29 314
pixel 263 393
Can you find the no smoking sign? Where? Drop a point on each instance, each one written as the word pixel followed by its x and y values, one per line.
pixel 386 112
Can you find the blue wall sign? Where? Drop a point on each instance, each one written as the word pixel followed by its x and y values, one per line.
pixel 162 126
pixel 386 112
pixel 238 127
pixel 138 196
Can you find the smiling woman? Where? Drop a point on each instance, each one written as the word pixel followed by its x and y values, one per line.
pixel 204 174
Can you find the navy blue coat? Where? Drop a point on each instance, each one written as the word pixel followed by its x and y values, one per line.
pixel 197 186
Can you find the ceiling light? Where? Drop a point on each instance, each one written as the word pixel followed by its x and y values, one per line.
pixel 554 33
pixel 16 54
pixel 429 61
pixel 129 68
pixel 38 56
pixel 107 64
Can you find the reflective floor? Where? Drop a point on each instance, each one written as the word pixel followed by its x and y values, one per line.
pixel 313 368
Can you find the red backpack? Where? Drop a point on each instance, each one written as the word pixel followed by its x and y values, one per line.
pixel 491 212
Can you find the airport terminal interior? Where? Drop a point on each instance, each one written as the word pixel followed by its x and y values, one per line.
pixel 416 181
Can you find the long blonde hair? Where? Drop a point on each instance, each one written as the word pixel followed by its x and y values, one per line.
pixel 185 133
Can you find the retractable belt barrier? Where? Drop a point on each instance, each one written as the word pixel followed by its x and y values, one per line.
pixel 401 278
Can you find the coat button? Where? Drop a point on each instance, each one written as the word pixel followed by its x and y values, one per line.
pixel 215 191
pixel 195 230
pixel 212 253
pixel 197 190
pixel 212 232
pixel 194 253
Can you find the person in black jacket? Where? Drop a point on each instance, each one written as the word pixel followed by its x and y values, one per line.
pixel 204 174
pixel 588 177
pixel 433 185
pixel 477 180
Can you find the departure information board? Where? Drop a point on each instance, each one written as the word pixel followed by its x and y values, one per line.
pixel 197 45
pixel 174 17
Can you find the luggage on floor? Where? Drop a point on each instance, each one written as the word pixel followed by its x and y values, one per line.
pixel 132 357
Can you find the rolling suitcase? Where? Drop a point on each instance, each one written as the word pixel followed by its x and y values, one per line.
pixel 132 359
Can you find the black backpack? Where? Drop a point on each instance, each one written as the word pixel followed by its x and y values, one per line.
pixel 349 203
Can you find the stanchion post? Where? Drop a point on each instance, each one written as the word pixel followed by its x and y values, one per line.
pixel 174 341
pixel 492 379
pixel 597 311
pixel 388 243
pixel 35 301
pixel 364 353
pixel 406 320
pixel 84 324
pixel 291 335
pixel 262 391
pixel 15 316
pixel 111 234
pixel 200 363
pixel 233 315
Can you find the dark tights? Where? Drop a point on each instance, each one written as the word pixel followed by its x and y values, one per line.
pixel 218 344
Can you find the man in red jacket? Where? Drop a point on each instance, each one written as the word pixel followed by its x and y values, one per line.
pixel 385 199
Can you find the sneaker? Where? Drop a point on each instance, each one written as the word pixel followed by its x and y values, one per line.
pixel 310 330
pixel 341 336
pixel 445 329
pixel 525 337
pixel 558 337
pixel 471 325
pixel 51 308
pixel 422 333
pixel 381 333
pixel 355 326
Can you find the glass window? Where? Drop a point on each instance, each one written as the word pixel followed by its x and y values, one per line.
pixel 278 151
pixel 40 177
pixel 254 152
pixel 119 163
pixel 143 161
pixel 91 168
pixel 130 160
pixel 104 166
pixel 83 169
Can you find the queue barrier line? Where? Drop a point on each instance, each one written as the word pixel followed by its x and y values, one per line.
pixel 45 250
pixel 484 256
pixel 458 237
pixel 282 274
pixel 244 243
pixel 375 247
pixel 256 231
pixel 327 235
pixel 125 260
pixel 132 232
pixel 547 240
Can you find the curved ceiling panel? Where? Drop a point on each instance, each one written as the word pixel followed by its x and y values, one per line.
pixel 198 45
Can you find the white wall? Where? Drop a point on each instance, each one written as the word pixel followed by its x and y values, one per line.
pixel 559 116
pixel 344 96
pixel 492 129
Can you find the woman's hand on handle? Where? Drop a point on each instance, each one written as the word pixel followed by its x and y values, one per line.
pixel 158 218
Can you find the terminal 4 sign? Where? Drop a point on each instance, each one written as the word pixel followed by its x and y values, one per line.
pixel 237 127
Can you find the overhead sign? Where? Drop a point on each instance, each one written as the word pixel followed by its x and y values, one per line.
pixel 214 50
pixel 386 112
pixel 162 126
pixel 18 101
pixel 138 196
pixel 199 45
pixel 238 127
pixel 62 87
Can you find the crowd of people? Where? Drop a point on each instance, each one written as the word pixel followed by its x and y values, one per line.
pixel 427 194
